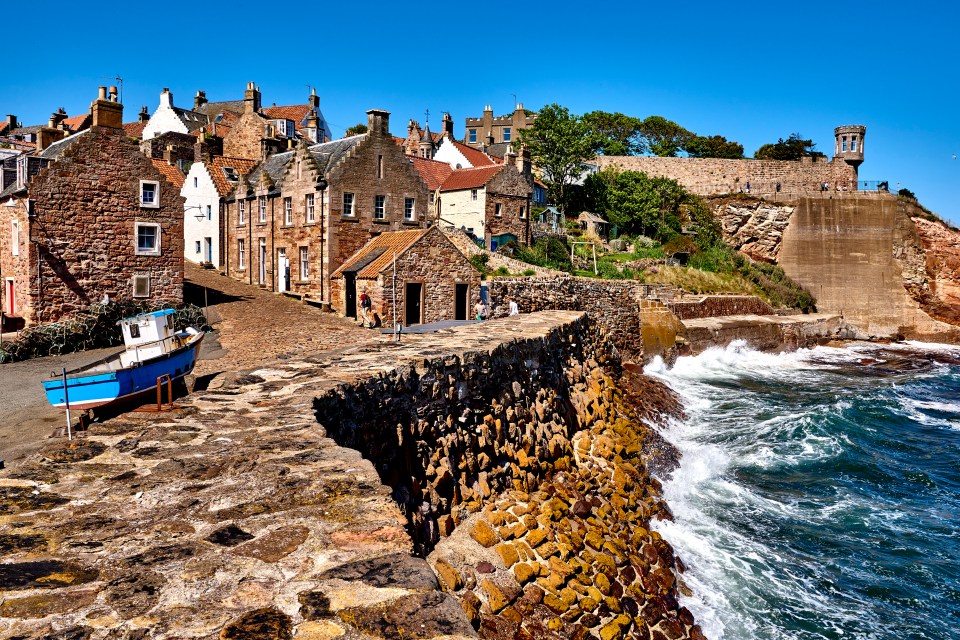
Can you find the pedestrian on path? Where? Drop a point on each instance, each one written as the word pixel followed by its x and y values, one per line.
pixel 481 310
pixel 514 309
pixel 365 305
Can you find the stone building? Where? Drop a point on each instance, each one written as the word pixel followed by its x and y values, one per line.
pixel 420 270
pixel 97 221
pixel 490 202
pixel 300 214
pixel 488 130
pixel 714 176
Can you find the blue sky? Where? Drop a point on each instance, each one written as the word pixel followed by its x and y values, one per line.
pixel 752 72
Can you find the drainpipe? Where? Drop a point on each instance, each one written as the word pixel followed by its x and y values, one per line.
pixel 273 249
pixel 250 243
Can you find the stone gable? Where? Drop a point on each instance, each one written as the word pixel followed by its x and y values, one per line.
pixel 513 192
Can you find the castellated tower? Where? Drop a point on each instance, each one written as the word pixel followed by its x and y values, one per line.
pixel 849 144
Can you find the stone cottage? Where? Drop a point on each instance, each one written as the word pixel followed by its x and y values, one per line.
pixel 420 270
pixel 300 214
pixel 98 221
pixel 491 202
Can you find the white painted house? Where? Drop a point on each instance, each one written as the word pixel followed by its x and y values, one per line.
pixel 167 117
pixel 204 187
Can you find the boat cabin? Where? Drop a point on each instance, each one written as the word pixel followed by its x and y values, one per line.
pixel 148 335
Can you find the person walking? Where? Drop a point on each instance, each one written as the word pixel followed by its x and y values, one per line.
pixel 365 305
pixel 481 310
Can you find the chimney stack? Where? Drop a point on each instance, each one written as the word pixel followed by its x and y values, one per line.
pixel 199 100
pixel 251 98
pixel 57 117
pixel 144 115
pixel 166 98
pixel 524 165
pixel 378 122
pixel 168 154
pixel 314 99
pixel 50 134
pixel 11 123
pixel 107 113
pixel 313 126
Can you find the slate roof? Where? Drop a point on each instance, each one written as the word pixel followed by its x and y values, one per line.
pixel 211 109
pixel 192 120
pixel 274 166
pixel 498 150
pixel 433 172
pixel 469 178
pixel 241 165
pixel 173 175
pixel 55 150
pixel 377 254
pixel 328 154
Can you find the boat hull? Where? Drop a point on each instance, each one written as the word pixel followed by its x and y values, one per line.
pixel 100 389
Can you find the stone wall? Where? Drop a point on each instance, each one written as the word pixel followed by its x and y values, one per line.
pixel 713 306
pixel 245 137
pixel 615 303
pixel 711 176
pixel 494 259
pixel 513 192
pixel 765 333
pixel 15 267
pixel 479 432
pixel 87 204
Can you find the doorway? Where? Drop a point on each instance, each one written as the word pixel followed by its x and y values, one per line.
pixel 413 303
pixel 461 296
pixel 350 294
pixel 10 307
pixel 283 271
pixel 263 261
pixel 208 250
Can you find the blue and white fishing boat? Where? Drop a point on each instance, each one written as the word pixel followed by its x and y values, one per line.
pixel 153 350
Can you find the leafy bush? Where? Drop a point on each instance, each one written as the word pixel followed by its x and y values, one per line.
pixel 501 271
pixel 479 263
pixel 529 272
pixel 680 244
pixel 547 252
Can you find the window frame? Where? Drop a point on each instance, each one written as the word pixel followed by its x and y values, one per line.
pixel 349 205
pixel 409 209
pixel 135 279
pixel 241 253
pixel 379 207
pixel 241 212
pixel 472 136
pixel 523 212
pixel 288 211
pixel 198 247
pixel 304 263
pixel 498 210
pixel 473 194
pixel 155 251
pixel 15 237
pixel 507 134
pixel 310 209
pixel 155 204
pixel 262 209
pixel 209 212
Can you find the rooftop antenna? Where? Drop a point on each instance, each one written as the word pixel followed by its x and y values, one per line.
pixel 427 115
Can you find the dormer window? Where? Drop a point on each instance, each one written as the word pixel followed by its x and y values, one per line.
pixel 230 174
pixel 150 194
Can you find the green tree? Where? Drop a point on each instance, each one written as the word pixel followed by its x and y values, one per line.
pixel 637 203
pixel 356 130
pixel 713 147
pixel 793 148
pixel 664 137
pixel 559 143
pixel 617 134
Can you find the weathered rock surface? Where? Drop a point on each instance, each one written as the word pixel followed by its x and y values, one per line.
pixel 753 226
pixel 941 256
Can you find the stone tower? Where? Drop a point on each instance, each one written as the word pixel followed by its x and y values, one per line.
pixel 848 139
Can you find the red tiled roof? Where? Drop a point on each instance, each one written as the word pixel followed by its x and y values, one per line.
pixel 134 129
pixel 388 244
pixel 76 122
pixel 18 144
pixel 469 178
pixel 241 165
pixel 173 175
pixel 474 156
pixel 433 172
pixel 296 112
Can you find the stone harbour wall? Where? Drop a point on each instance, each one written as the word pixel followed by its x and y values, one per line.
pixel 236 516
pixel 715 306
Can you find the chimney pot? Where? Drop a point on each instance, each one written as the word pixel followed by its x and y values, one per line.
pixel 101 93
pixel 113 94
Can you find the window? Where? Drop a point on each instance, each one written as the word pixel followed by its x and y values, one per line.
pixel 15 238
pixel 241 212
pixel 472 135
pixel 288 211
pixel 498 211
pixel 311 212
pixel 348 204
pixel 506 134
pixel 198 246
pixel 431 197
pixel 209 212
pixel 196 183
pixel 379 166
pixel 148 238
pixel 523 213
pixel 304 264
pixel 473 194
pixel 141 289
pixel 262 204
pixel 241 255
pixel 844 142
pixel 149 194
pixel 408 213
pixel 379 208
pixel 853 143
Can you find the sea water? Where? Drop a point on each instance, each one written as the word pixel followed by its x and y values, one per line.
pixel 818 494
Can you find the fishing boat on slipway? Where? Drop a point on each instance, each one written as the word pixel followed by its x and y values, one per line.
pixel 153 351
